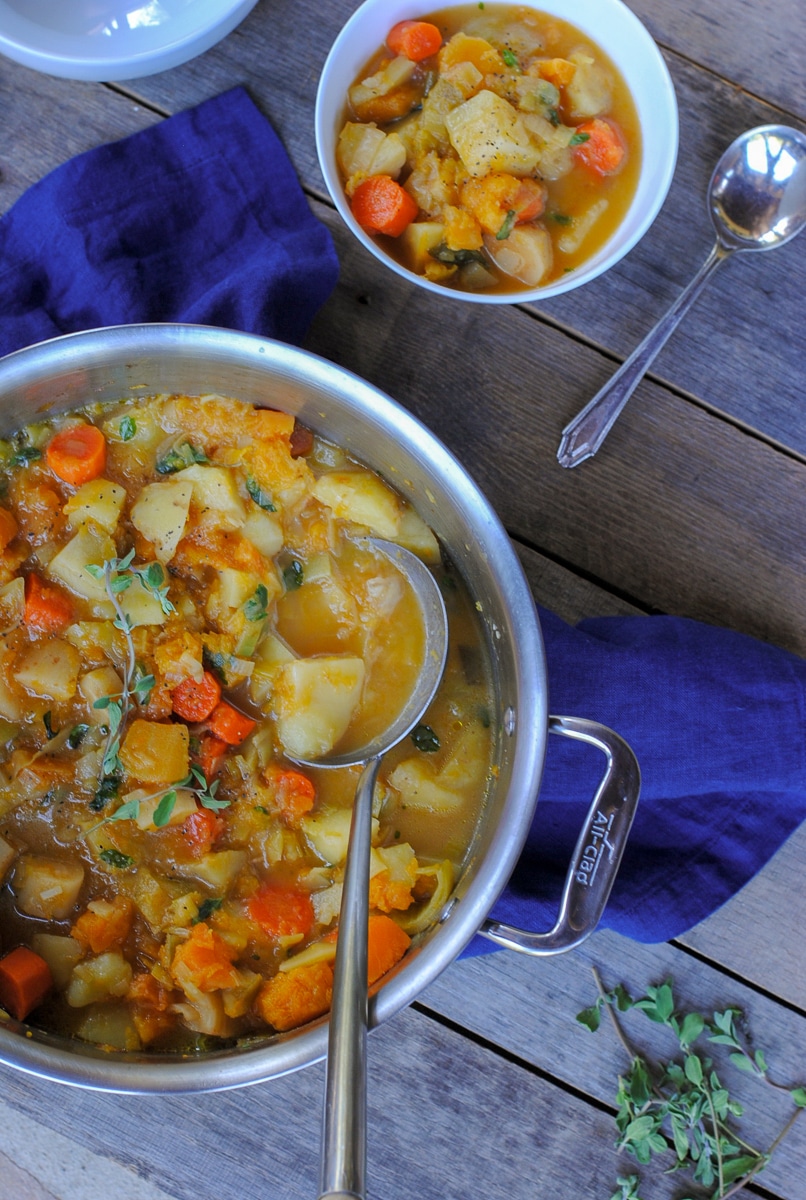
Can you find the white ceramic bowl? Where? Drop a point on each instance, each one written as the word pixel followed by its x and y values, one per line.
pixel 610 25
pixel 113 39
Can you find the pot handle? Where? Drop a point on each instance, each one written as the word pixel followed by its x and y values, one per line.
pixel 598 851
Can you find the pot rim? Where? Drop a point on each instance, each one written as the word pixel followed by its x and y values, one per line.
pixel 35 374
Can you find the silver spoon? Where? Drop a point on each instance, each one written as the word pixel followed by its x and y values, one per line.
pixel 344 1129
pixel 757 201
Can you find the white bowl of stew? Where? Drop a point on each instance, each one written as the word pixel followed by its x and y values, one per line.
pixel 123 382
pixel 527 148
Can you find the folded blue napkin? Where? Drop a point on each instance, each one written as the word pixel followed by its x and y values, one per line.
pixel 201 219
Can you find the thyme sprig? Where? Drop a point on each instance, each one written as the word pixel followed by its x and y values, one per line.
pixel 195 781
pixel 117 575
pixel 682 1105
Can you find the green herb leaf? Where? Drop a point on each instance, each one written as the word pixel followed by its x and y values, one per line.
pixel 143 687
pixel 293 575
pixel 185 454
pixel 76 736
pixel 591 1017
pixel 207 908
pixel 127 812
pixel 127 429
pixel 507 227
pixel 579 139
pixel 510 58
pixel 458 258
pixel 50 732
pixel 262 499
pixel 116 858
pixel 425 739
pixel 107 790
pixel 164 810
pixel 561 218
pixel 255 608
pixel 25 455
pixel 798 1094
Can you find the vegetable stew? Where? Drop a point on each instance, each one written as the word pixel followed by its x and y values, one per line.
pixel 188 598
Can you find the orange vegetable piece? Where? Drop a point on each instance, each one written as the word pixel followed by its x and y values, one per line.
pixel 200 830
pixel 386 893
pixel 8 528
pixel 211 755
pixel 603 151
pixel 229 725
pixel 205 960
pixel 151 1004
pixel 193 700
pixel 105 924
pixel 293 997
pixel 387 943
pixel 77 455
pixel 415 40
pixel 281 911
pixel 46 608
pixel 25 980
pixel 380 205
pixel 558 71
pixel 294 793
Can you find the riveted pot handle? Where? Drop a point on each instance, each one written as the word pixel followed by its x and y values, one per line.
pixel 598 851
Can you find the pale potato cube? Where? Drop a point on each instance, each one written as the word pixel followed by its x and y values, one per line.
pixel 526 254
pixel 11 708
pixel 90 545
pixel 329 833
pixel 361 497
pixel 98 978
pixel 111 1026
pixel 590 93
pixel 140 606
pixel 391 76
pixel 215 493
pixel 271 655
pixel 235 587
pixel 488 135
pixel 100 501
pixel 570 241
pixel 155 753
pixel 365 150
pixel 7 856
pixel 47 887
pixel 265 531
pixel 314 701
pixel 160 514
pixel 94 685
pixel 12 604
pixel 413 534
pixel 49 669
pixel 417 242
pixel 61 953
pixel 184 805
pixel 218 869
pixel 421 788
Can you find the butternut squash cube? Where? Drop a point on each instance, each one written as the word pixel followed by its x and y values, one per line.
pixel 155 753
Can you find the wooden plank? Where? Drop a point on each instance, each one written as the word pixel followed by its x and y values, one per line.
pixel 669 513
pixel 447 1118
pixel 529 1007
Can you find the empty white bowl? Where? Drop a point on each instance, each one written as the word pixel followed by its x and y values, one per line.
pixel 113 39
pixel 611 26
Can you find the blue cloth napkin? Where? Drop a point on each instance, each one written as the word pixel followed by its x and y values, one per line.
pixel 201 219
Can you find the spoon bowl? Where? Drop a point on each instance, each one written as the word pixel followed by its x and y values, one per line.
pixel 756 201
pixel 344 1136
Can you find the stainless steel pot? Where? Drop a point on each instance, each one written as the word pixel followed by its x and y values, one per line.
pixel 105 364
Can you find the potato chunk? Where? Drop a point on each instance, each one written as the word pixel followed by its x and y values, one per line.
pixel 488 135
pixel 47 887
pixel 314 702
pixel 526 254
pixel 362 497
pixel 160 514
pixel 100 500
pixel 91 544
pixel 155 753
pixel 49 669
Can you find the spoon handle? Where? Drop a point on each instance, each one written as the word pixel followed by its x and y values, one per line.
pixel 583 436
pixel 344 1131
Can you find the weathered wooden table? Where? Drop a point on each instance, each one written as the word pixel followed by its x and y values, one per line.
pixel 488 1086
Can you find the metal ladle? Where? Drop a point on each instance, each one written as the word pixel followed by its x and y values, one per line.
pixel 757 201
pixel 344 1128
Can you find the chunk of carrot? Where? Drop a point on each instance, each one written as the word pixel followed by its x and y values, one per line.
pixel 46 608
pixel 211 755
pixel 8 528
pixel 293 997
pixel 386 945
pixel 194 699
pixel 78 454
pixel 380 205
pixel 281 911
pixel 415 40
pixel 205 960
pixel 25 980
pixel 229 725
pixel 200 830
pixel 294 793
pixel 599 146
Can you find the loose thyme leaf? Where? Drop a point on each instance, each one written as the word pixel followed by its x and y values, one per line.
pixel 127 429
pixel 181 456
pixel 293 575
pixel 207 908
pixel 507 227
pixel 425 739
pixel 76 736
pixel 262 499
pixel 107 791
pixel 255 608
pixel 25 455
pixel 510 58
pixel 116 858
pixel 50 732
pixel 164 810
pixel 579 139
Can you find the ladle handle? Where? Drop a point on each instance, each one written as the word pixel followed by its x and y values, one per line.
pixel 583 436
pixel 344 1129
pixel 598 851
